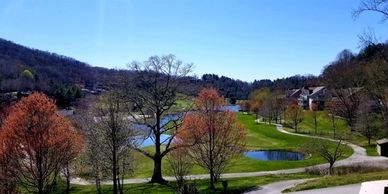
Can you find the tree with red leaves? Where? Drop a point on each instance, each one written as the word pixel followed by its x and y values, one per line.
pixel 38 142
pixel 215 134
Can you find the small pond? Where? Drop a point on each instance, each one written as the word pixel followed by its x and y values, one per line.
pixel 231 108
pixel 274 155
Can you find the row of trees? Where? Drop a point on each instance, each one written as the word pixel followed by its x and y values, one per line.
pixel 358 82
pixel 273 106
pixel 115 123
pixel 38 143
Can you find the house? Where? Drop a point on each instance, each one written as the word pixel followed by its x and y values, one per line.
pixel 308 96
pixel 293 94
pixel 382 147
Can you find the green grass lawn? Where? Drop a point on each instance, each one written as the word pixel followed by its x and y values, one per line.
pixel 332 181
pixel 324 126
pixel 325 129
pixel 235 185
pixel 259 136
pixel 371 150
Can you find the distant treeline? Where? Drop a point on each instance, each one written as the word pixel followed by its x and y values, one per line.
pixel 26 69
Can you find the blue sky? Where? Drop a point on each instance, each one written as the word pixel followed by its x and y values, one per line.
pixel 242 39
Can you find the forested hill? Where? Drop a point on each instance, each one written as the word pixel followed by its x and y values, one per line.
pixel 25 69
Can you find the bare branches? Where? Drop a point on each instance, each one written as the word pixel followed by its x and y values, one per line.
pixel 378 6
pixel 109 138
pixel 151 92
pixel 331 153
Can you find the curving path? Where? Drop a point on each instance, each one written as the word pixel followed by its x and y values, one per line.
pixel 359 156
pixel 277 187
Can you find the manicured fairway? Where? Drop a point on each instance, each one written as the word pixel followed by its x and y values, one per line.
pixel 325 129
pixel 259 136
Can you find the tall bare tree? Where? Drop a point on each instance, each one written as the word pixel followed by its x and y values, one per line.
pixel 109 138
pixel 314 110
pixel 377 68
pixel 152 90
pixel 345 81
pixel 367 120
pixel 330 107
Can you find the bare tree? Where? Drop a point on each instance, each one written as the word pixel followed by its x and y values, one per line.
pixel 345 81
pixel 279 105
pixel 377 68
pixel 330 107
pixel 331 153
pixel 151 90
pixel 314 110
pixel 109 138
pixel 179 163
pixel 367 123
pixel 295 114
pixel 377 72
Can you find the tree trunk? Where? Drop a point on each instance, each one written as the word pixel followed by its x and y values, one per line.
pixel 157 174
pixel 98 186
pixel 315 123
pixel 67 179
pixel 212 179
pixel 333 124
pixel 330 168
pixel 296 126
pixel 114 171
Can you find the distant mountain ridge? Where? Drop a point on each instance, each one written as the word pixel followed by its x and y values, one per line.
pixel 46 68
pixel 24 69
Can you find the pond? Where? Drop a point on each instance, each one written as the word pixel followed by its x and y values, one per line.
pixel 274 155
pixel 231 108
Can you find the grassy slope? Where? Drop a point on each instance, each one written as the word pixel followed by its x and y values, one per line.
pixel 259 136
pixel 324 124
pixel 325 129
pixel 332 181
